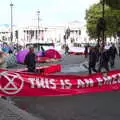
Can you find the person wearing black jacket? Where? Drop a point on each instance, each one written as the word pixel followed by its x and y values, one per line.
pixel 92 60
pixel 30 60
pixel 104 59
pixel 86 50
pixel 112 52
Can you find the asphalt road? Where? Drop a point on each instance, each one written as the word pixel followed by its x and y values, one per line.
pixel 97 106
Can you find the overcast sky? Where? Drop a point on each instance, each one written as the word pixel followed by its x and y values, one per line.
pixel 52 12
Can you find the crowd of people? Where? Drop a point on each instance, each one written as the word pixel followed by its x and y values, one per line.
pixel 101 57
pixel 7 54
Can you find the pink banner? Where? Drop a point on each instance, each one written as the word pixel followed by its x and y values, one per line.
pixel 28 84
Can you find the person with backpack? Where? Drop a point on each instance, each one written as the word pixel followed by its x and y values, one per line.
pixel 30 60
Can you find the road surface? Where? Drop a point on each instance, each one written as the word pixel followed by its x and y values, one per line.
pixel 97 106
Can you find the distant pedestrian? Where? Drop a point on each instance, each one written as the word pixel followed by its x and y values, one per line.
pixel 97 53
pixel 104 59
pixel 119 51
pixel 66 49
pixel 5 48
pixel 86 51
pixel 112 52
pixel 92 60
pixel 30 60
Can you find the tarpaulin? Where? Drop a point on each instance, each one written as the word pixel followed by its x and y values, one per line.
pixel 53 68
pixel 28 84
pixel 52 53
pixel 78 53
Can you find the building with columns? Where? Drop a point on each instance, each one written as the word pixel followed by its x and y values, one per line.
pixel 48 34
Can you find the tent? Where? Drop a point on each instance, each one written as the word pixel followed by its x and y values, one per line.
pixel 52 53
pixel 20 57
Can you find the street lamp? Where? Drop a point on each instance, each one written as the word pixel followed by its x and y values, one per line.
pixel 38 14
pixel 103 14
pixel 11 35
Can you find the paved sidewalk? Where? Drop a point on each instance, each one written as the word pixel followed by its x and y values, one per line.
pixel 10 112
pixel 76 65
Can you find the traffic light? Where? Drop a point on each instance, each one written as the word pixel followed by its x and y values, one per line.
pixel 16 34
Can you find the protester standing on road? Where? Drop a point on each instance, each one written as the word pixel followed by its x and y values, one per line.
pixel 30 60
pixel 97 53
pixel 86 51
pixel 66 49
pixel 104 59
pixel 92 60
pixel 112 52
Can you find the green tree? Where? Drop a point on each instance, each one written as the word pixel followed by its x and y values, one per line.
pixel 112 19
pixel 113 3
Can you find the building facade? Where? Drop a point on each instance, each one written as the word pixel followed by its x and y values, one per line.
pixel 48 34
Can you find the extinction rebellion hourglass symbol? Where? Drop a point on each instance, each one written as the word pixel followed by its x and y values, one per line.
pixel 11 83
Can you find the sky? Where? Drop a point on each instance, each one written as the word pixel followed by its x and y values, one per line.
pixel 52 12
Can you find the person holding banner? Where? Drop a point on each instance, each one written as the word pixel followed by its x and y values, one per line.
pixel 30 60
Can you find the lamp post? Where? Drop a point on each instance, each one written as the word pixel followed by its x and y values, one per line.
pixel 103 15
pixel 11 35
pixel 38 14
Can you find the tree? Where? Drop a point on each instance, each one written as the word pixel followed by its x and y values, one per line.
pixel 112 19
pixel 113 3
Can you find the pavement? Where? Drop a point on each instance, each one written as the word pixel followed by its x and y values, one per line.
pixel 11 112
pixel 97 106
pixel 76 64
